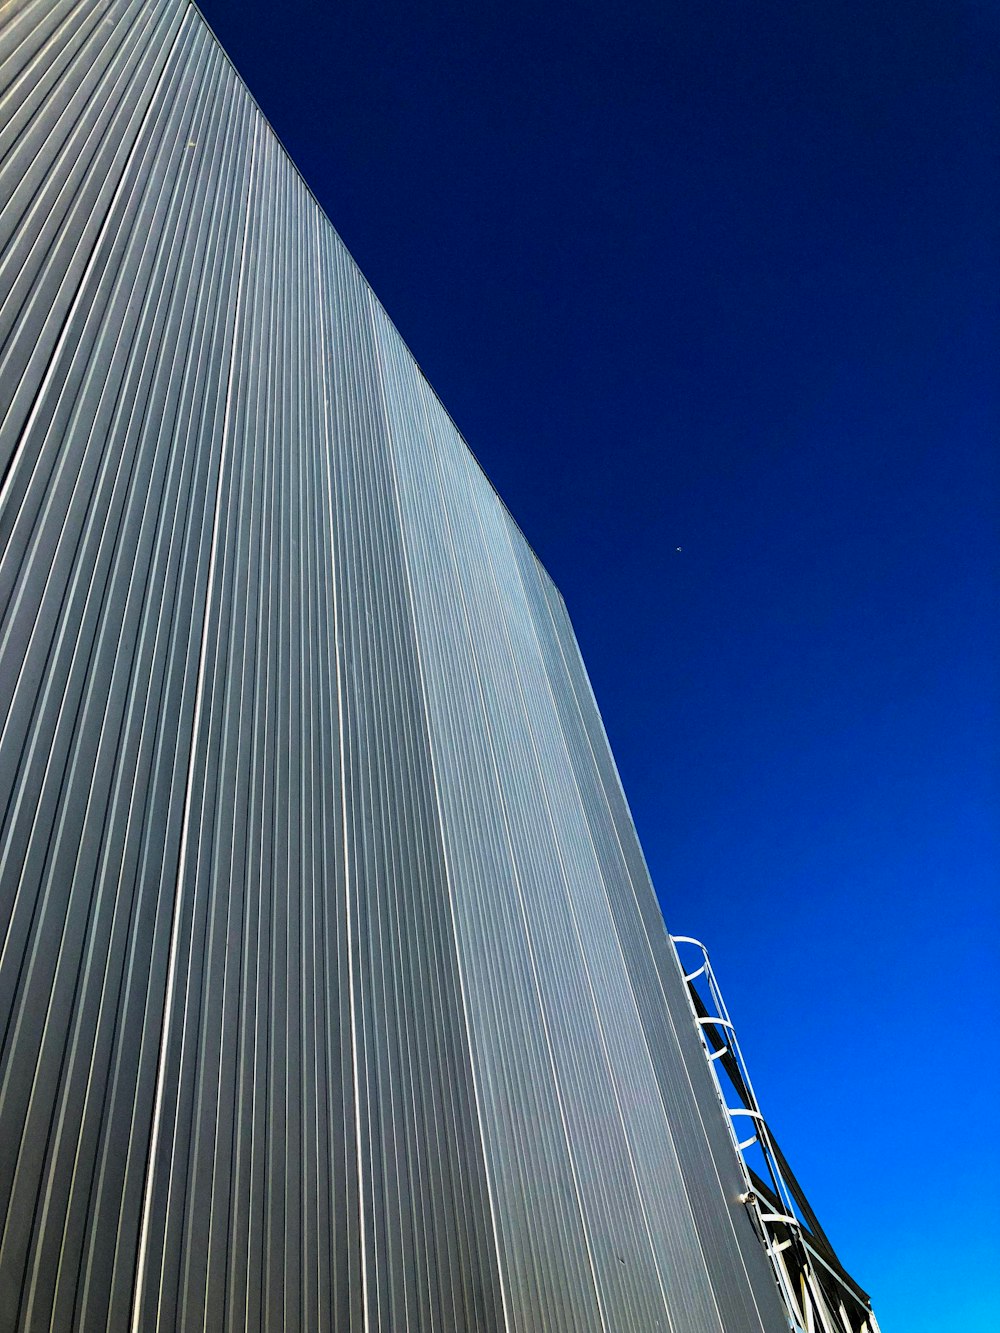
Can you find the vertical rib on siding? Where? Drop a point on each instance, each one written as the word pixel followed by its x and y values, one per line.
pixel 333 991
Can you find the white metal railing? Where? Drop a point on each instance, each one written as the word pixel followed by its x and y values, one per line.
pixel 809 1305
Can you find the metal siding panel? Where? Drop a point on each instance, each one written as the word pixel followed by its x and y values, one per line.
pixel 333 992
pixel 744 1284
pixel 479 849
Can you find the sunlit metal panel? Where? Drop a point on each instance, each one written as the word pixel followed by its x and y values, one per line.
pixel 333 989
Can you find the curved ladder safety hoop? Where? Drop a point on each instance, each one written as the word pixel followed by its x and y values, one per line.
pixel 811 1307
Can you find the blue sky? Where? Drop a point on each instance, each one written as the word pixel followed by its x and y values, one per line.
pixel 724 278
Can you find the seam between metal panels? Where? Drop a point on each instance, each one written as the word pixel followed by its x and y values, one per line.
pixel 516 878
pixel 612 1080
pixel 625 970
pixel 337 645
pixel 571 769
pixel 599 1020
pixel 656 971
pixel 141 1258
pixel 403 642
pixel 440 820
pixel 248 687
pixel 235 514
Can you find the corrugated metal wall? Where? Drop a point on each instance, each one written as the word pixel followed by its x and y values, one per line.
pixel 333 991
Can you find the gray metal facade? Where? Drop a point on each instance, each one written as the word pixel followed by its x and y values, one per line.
pixel 333 989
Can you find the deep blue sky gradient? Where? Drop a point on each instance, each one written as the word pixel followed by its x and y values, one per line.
pixel 724 277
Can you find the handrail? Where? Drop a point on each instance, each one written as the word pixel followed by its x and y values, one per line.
pixel 799 1252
